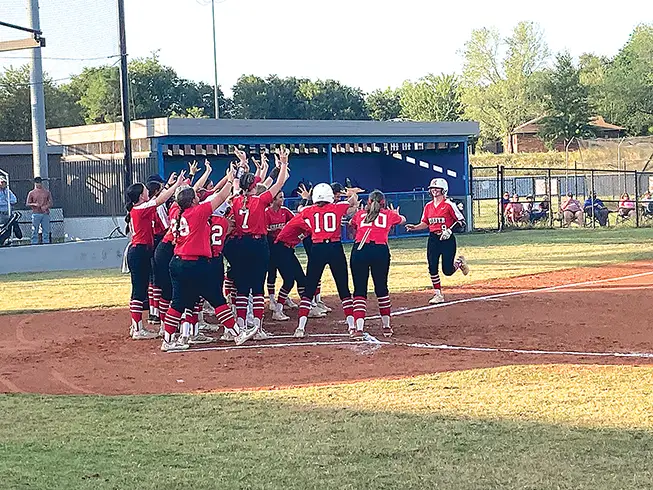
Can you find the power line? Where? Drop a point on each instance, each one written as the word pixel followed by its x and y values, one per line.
pixel 61 59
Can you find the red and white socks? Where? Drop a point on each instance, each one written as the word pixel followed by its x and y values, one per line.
pixel 359 310
pixel 258 308
pixel 384 309
pixel 435 280
pixel 348 310
pixel 136 313
pixel 225 317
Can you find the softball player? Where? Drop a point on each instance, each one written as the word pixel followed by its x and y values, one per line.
pixel 141 211
pixel 370 254
pixel 191 268
pixel 160 223
pixel 441 217
pixel 325 220
pixel 250 263
pixel 276 216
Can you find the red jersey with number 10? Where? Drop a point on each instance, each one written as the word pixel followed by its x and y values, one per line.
pixel 275 220
pixel 219 229
pixel 325 221
pixel 444 215
pixel 377 231
pixel 194 236
pixel 294 232
pixel 250 220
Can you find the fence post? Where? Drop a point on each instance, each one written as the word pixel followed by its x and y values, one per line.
pixel 550 196
pixel 636 199
pixel 500 219
pixel 592 198
pixel 470 200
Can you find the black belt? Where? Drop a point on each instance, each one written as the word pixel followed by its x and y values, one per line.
pixel 326 241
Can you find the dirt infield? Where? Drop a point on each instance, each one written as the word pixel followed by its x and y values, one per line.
pixel 88 352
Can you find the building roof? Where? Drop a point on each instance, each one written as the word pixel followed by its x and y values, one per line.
pixel 532 126
pixel 267 128
pixel 25 148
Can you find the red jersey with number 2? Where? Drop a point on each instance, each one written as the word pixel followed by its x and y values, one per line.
pixel 275 220
pixel 378 230
pixel 444 215
pixel 250 220
pixel 294 232
pixel 194 235
pixel 326 221
pixel 219 228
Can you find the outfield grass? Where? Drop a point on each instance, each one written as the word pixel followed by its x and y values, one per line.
pixel 544 427
pixel 491 256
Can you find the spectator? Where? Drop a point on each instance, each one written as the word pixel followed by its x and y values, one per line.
pixel 542 211
pixel 596 206
pixel 530 204
pixel 7 199
pixel 505 201
pixel 626 207
pixel 572 211
pixel 647 203
pixel 40 200
pixel 514 212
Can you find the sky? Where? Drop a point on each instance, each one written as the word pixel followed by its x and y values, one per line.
pixel 368 44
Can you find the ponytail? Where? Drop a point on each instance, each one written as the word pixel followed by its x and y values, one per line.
pixel 375 202
pixel 133 195
pixel 185 199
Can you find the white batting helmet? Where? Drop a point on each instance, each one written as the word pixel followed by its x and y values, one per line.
pixel 439 183
pixel 322 193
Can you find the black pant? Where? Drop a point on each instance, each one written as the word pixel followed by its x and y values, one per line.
pixel 249 264
pixel 375 258
pixel 289 267
pixel 308 245
pixel 323 254
pixel 437 248
pixel 162 257
pixel 157 240
pixel 139 259
pixel 194 278
pixel 272 264
pixel 214 282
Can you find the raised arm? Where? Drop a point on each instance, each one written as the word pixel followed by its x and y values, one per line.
pixel 224 193
pixel 201 182
pixel 283 172
pixel 169 192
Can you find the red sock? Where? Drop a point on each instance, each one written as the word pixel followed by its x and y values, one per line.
pixel 359 307
pixel 241 307
pixel 164 304
pixel 258 306
pixel 435 280
pixel 173 317
pixel 304 307
pixel 229 290
pixel 384 305
pixel 156 300
pixel 136 310
pixel 319 288
pixel 270 289
pixel 300 291
pixel 283 296
pixel 348 306
pixel 150 295
pixel 225 316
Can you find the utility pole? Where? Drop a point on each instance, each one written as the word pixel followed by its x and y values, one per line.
pixel 37 98
pixel 124 95
pixel 215 64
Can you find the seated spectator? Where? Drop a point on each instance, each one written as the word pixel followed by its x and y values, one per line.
pixel 529 204
pixel 572 211
pixel 514 212
pixel 647 203
pixel 505 201
pixel 595 206
pixel 542 211
pixel 626 207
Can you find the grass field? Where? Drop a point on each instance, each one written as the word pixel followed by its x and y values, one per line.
pixel 514 427
pixel 491 256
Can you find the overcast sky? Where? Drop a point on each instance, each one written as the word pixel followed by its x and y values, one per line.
pixel 363 43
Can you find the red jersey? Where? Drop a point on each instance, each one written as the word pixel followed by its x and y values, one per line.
pixel 140 224
pixel 172 220
pixel 442 216
pixel 275 220
pixel 194 236
pixel 377 231
pixel 325 221
pixel 251 220
pixel 161 220
pixel 294 232
pixel 219 228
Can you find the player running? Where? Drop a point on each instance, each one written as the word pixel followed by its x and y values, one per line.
pixel 370 254
pixel 441 217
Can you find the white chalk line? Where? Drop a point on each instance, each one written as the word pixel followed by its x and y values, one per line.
pixel 492 297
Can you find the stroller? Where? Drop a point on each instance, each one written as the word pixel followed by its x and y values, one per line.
pixel 9 225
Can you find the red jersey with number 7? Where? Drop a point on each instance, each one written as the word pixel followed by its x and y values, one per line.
pixel 325 221
pixel 193 240
pixel 249 219
pixel 219 229
pixel 294 232
pixel 444 215
pixel 378 230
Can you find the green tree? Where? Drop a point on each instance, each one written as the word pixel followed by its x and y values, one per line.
pixel 566 103
pixel 15 107
pixel 383 105
pixel 432 98
pixel 330 99
pixel 500 78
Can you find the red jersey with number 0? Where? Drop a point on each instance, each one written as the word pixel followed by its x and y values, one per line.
pixel 378 230
pixel 444 215
pixel 219 229
pixel 251 220
pixel 326 221
pixel 275 220
pixel 294 232
pixel 172 220
pixel 141 223
pixel 193 240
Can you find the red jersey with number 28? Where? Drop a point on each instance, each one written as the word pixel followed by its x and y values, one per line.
pixel 275 220
pixel 251 220
pixel 294 232
pixel 444 215
pixel 377 231
pixel 194 236
pixel 219 229
pixel 172 219
pixel 141 223
pixel 325 221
